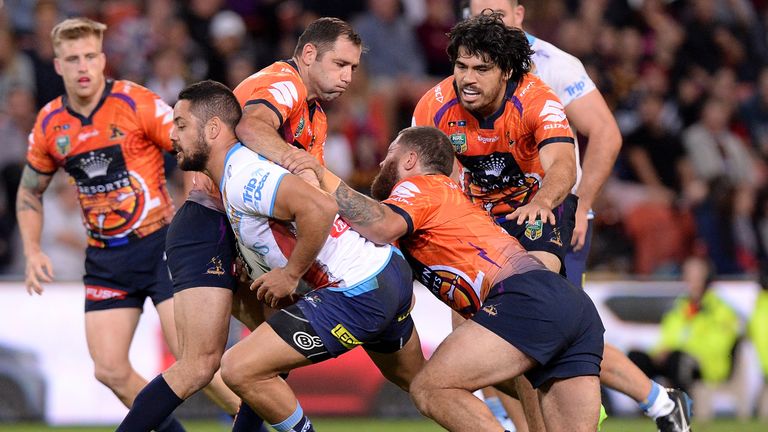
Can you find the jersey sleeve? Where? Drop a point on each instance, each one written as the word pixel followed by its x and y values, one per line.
pixel 283 93
pixel 413 200
pixel 38 157
pixel 155 118
pixel 254 191
pixel 422 114
pixel 545 117
pixel 568 78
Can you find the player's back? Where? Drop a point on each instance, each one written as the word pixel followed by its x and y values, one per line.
pixel 249 189
pixel 279 87
pixel 115 157
pixel 499 153
pixel 455 248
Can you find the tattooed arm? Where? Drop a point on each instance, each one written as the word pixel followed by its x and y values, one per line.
pixel 29 213
pixel 372 219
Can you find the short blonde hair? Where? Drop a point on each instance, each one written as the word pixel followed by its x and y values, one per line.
pixel 76 28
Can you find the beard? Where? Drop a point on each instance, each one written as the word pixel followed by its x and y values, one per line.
pixel 384 182
pixel 196 159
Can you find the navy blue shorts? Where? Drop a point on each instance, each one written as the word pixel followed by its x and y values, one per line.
pixel 124 276
pixel 576 261
pixel 550 320
pixel 375 314
pixel 539 236
pixel 201 248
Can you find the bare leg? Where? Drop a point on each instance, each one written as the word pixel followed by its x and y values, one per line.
pixel 619 373
pixel 401 366
pixel 571 405
pixel 251 369
pixel 443 389
pixel 201 341
pixel 109 334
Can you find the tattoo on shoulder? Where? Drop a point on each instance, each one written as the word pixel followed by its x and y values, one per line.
pixel 34 181
pixel 356 207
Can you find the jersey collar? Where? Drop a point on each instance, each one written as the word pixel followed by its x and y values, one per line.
pixel 487 123
pixel 85 121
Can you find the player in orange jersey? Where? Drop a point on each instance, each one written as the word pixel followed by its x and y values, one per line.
pixel 523 318
pixel 109 136
pixel 281 103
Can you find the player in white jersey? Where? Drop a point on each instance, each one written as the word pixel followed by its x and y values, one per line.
pixel 588 113
pixel 359 293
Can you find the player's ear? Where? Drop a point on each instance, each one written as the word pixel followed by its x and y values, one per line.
pixel 411 160
pixel 213 128
pixel 309 53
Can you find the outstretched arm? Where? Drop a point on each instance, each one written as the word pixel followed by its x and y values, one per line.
pixel 29 213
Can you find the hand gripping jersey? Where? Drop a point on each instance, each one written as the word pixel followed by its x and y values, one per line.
pixel 115 157
pixel 499 154
pixel 279 87
pixel 565 74
pixel 453 247
pixel 249 187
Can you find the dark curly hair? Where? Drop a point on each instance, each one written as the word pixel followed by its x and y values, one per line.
pixel 487 36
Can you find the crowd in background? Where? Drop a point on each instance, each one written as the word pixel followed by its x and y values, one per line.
pixel 686 79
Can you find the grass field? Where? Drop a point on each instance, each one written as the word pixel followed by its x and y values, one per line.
pixel 371 425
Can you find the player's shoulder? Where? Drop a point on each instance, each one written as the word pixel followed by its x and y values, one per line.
pixel 49 112
pixel 433 186
pixel 532 88
pixel 549 57
pixel 436 98
pixel 281 75
pixel 135 96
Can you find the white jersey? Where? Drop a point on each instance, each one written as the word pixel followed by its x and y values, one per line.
pixel 565 74
pixel 249 188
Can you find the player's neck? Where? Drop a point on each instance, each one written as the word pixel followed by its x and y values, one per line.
pixel 304 74
pixel 85 106
pixel 215 166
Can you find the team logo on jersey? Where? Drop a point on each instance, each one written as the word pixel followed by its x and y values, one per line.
pixel 491 310
pixel 299 128
pixel 62 144
pixel 345 337
pixel 116 133
pixel 215 267
pixel 406 190
pixel 285 93
pixel 459 141
pixel 534 230
pixel 553 111
pixel 555 237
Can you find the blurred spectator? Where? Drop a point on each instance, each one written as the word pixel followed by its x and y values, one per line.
pixel 647 190
pixel 432 37
pixel 15 123
pixel 198 15
pixel 754 113
pixel 48 84
pixel 16 68
pixel 63 231
pixel 168 76
pixel 393 51
pixel 697 336
pixel 177 39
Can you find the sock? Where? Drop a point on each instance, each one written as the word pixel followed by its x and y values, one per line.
pixel 247 420
pixel 657 403
pixel 152 409
pixel 296 422
pixel 498 411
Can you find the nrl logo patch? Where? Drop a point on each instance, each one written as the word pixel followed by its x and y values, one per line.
pixel 459 141
pixel 62 144
pixel 533 230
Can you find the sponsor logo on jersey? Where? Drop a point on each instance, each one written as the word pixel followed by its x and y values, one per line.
pixel 339 227
pixel 85 135
pixel 300 128
pixel 405 190
pixel 285 93
pixel 576 88
pixel 345 337
pixel 439 94
pixel 306 341
pixel 98 293
pixel 533 230
pixel 552 111
pixel 252 190
pixel 487 140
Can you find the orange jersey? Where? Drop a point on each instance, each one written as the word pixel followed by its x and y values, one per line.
pixel 115 158
pixel 279 86
pixel 499 154
pixel 455 248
